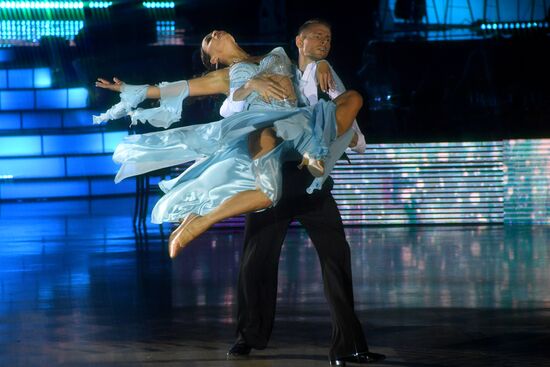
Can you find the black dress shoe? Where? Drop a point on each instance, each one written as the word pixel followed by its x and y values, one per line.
pixel 366 357
pixel 238 350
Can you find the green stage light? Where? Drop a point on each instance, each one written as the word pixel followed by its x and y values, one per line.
pixel 33 30
pixel 41 5
pixel 159 5
pixel 99 4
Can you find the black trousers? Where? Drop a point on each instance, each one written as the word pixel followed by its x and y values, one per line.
pixel 264 235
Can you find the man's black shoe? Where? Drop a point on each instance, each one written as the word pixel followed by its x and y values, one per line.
pixel 238 350
pixel 366 357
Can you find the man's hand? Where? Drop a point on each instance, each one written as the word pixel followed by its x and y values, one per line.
pixel 105 84
pixel 324 76
pixel 267 87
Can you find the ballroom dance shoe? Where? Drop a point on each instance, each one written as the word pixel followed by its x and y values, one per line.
pixel 183 235
pixel 239 350
pixel 365 357
pixel 315 166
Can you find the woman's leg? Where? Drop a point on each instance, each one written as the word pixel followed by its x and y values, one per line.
pixel 240 203
pixel 348 105
pixel 260 143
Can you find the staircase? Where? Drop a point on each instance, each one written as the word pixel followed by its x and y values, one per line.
pixel 48 145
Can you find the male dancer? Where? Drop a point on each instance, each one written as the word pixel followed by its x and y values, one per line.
pixel 318 213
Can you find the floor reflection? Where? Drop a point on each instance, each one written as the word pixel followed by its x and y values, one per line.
pixel 79 291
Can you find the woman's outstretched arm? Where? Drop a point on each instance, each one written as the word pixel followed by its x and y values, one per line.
pixel 153 92
pixel 215 82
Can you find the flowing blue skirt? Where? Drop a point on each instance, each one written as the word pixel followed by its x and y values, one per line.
pixel 223 166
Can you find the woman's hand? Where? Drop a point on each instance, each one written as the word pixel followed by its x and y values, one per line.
pixel 324 76
pixel 105 84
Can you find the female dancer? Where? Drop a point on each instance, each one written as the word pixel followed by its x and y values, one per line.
pixel 237 160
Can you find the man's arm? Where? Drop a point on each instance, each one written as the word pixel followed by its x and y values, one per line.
pixel 264 85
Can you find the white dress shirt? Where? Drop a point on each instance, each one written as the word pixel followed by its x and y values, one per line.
pixel 308 89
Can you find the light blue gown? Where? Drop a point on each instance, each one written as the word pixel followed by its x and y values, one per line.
pixel 223 166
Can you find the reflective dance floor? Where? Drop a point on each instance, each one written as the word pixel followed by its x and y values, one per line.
pixel 78 288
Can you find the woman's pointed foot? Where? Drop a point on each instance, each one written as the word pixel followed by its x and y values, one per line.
pixel 186 232
pixel 315 166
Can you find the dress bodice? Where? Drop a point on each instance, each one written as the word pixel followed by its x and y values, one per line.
pixel 275 62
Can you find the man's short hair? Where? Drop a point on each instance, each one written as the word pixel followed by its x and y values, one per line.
pixel 311 22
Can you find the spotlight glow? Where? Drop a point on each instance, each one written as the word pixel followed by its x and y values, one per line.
pixel 41 5
pixel 159 4
pixel 99 4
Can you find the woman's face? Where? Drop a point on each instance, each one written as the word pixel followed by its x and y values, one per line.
pixel 216 44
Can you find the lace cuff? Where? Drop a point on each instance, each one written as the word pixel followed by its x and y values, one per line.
pixel 130 97
pixel 171 99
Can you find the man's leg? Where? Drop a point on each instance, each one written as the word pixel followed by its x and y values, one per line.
pixel 257 286
pixel 323 224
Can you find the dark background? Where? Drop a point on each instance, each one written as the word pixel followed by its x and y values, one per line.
pixel 416 87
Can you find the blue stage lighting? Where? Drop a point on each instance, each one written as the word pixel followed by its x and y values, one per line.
pixel 51 99
pixel 78 117
pixel 10 121
pixel 27 190
pixel 91 166
pixel 6 55
pixel 16 100
pixel 20 78
pixel 33 167
pixel 41 119
pixel 112 139
pixel 108 187
pixel 483 27
pixel 73 144
pixel 14 146
pixel 3 79
pixel 42 78
pixel 78 98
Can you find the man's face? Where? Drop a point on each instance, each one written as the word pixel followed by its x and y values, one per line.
pixel 314 42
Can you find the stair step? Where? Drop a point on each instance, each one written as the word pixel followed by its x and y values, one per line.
pixel 66 188
pixel 43 99
pixel 57 167
pixel 25 78
pixel 60 144
pixel 50 119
